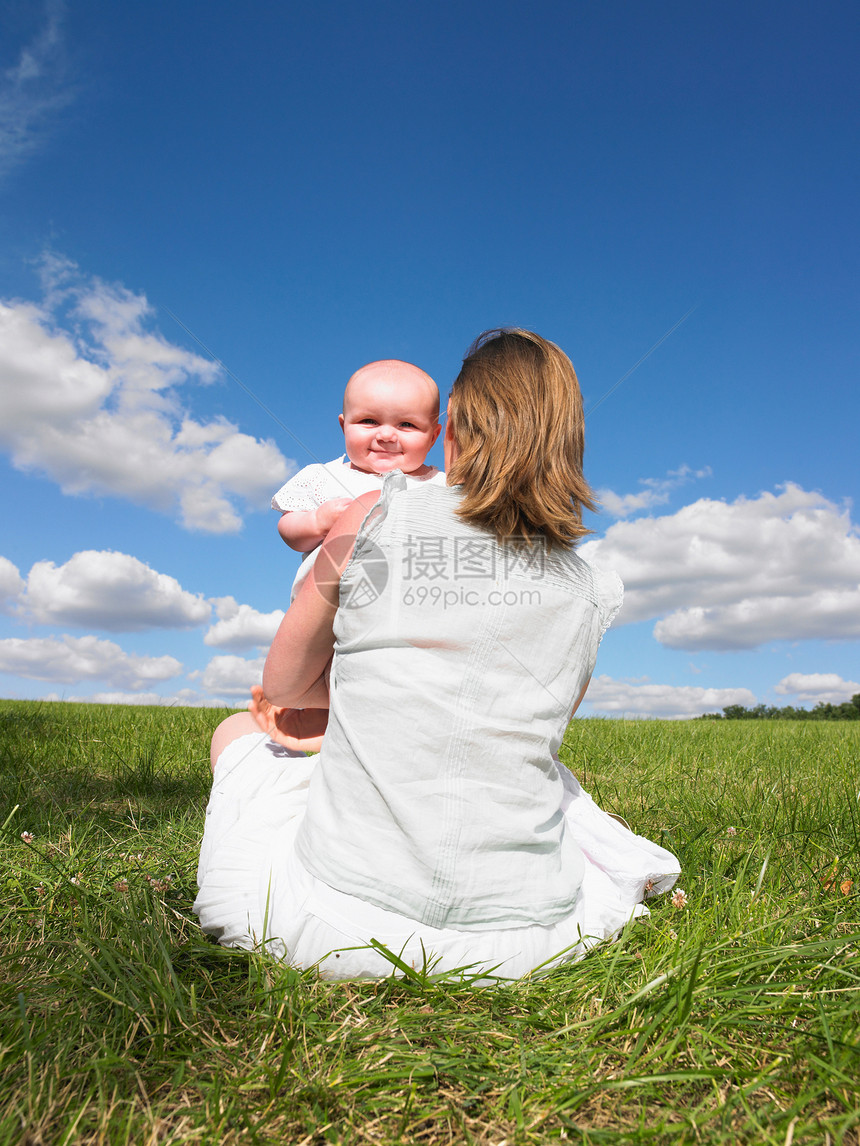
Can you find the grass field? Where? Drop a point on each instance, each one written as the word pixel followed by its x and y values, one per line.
pixel 733 1019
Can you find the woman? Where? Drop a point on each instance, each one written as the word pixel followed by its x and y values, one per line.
pixel 451 633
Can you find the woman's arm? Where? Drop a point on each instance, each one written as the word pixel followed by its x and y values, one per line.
pixel 581 695
pixel 296 670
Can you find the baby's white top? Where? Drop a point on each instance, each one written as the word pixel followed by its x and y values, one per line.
pixel 322 482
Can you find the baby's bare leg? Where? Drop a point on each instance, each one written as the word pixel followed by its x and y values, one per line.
pixel 239 724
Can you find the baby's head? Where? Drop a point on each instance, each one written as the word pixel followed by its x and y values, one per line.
pixel 390 417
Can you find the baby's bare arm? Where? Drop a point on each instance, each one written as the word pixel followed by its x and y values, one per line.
pixel 305 529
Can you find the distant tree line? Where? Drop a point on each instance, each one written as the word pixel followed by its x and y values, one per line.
pixel 849 710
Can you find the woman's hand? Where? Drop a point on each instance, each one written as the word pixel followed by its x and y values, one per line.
pixel 299 729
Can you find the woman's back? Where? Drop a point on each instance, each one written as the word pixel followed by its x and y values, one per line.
pixel 452 684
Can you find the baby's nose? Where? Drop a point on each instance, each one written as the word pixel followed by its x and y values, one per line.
pixel 386 433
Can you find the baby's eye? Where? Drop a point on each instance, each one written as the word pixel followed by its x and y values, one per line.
pixel 367 422
pixel 409 425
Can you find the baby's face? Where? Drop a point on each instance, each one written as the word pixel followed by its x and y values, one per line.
pixel 389 418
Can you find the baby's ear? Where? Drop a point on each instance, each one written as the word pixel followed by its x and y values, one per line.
pixel 340 419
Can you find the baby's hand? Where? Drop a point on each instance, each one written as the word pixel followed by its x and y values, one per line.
pixel 299 729
pixel 328 513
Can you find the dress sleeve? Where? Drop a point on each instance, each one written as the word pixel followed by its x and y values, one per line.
pixel 610 596
pixel 306 490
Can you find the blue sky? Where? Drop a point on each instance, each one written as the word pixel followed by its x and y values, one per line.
pixel 307 188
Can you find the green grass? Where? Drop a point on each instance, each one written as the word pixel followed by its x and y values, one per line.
pixel 733 1020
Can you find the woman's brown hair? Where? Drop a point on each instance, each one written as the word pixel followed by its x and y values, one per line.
pixel 516 417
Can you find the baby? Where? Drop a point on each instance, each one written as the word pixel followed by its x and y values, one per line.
pixel 390 420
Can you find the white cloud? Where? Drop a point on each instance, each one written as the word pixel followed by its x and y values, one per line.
pixel 184 698
pixel 656 492
pixel 188 698
pixel 32 91
pixel 11 585
pixel 756 620
pixel 669 702
pixel 230 675
pixel 782 566
pixel 240 626
pixel 137 698
pixel 817 686
pixel 90 398
pixel 113 591
pixel 73 659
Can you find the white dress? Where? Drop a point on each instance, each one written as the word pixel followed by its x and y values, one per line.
pixel 437 822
